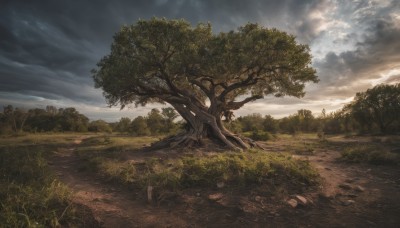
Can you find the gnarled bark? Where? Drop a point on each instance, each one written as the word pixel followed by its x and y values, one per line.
pixel 203 125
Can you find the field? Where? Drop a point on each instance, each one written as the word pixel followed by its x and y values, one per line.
pixel 110 180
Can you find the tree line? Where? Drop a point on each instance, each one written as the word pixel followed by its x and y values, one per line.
pixel 375 111
pixel 52 119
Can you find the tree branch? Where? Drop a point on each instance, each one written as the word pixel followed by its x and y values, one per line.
pixel 236 105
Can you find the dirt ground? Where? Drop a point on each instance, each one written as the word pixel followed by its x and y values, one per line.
pixel 351 195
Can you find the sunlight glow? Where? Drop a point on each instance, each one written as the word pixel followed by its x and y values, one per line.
pixel 385 76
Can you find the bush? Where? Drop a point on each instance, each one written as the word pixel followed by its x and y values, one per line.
pixel 261 135
pixel 369 154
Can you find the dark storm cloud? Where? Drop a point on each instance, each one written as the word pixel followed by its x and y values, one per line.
pixel 47 48
pixel 294 16
pixel 378 52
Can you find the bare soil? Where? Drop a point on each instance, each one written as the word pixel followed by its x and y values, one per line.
pixel 351 195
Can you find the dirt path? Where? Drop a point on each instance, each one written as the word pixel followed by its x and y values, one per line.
pixel 111 207
pixel 354 195
pixel 351 196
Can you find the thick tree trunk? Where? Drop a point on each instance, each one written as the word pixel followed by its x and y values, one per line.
pixel 204 128
pixel 197 136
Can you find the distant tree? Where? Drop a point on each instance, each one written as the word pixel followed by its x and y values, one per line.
pixel 51 110
pixel 252 122
pixel 69 119
pixel 340 121
pixel 39 120
pixel 302 121
pixel 99 126
pixel 306 120
pixel 379 105
pixel 139 127
pixel 16 118
pixel 169 115
pixel 290 124
pixel 155 121
pixel 203 76
pixel 270 124
pixel 234 126
pixel 123 124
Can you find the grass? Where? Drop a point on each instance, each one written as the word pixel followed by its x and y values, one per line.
pixel 370 153
pixel 113 144
pixel 233 169
pixel 44 139
pixel 30 196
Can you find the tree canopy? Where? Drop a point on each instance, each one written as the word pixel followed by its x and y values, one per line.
pixel 204 76
pixel 379 105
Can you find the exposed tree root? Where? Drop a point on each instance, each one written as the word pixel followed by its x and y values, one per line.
pixel 193 140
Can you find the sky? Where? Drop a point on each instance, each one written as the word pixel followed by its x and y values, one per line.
pixel 48 48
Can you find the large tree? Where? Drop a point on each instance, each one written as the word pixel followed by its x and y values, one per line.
pixel 379 105
pixel 204 76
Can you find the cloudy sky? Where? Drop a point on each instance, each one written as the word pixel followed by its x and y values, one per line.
pixel 47 48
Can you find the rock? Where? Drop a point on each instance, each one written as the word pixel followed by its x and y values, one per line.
pixel 301 199
pixel 293 203
pixel 220 184
pixel 198 194
pixel 328 168
pixel 358 188
pixel 258 198
pixel 348 202
pixel 345 186
pixel 215 197
pixel 352 195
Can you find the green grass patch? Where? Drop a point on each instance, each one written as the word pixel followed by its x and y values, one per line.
pixel 108 144
pixel 368 153
pixel 44 139
pixel 29 195
pixel 233 169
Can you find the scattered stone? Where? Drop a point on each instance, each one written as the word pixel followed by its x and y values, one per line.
pixel 258 198
pixel 352 195
pixel 220 184
pixel 293 203
pixel 216 196
pixel 358 188
pixel 301 199
pixel 348 202
pixel 198 194
pixel 345 186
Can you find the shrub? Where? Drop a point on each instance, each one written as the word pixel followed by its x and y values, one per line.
pixel 261 135
pixel 369 154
